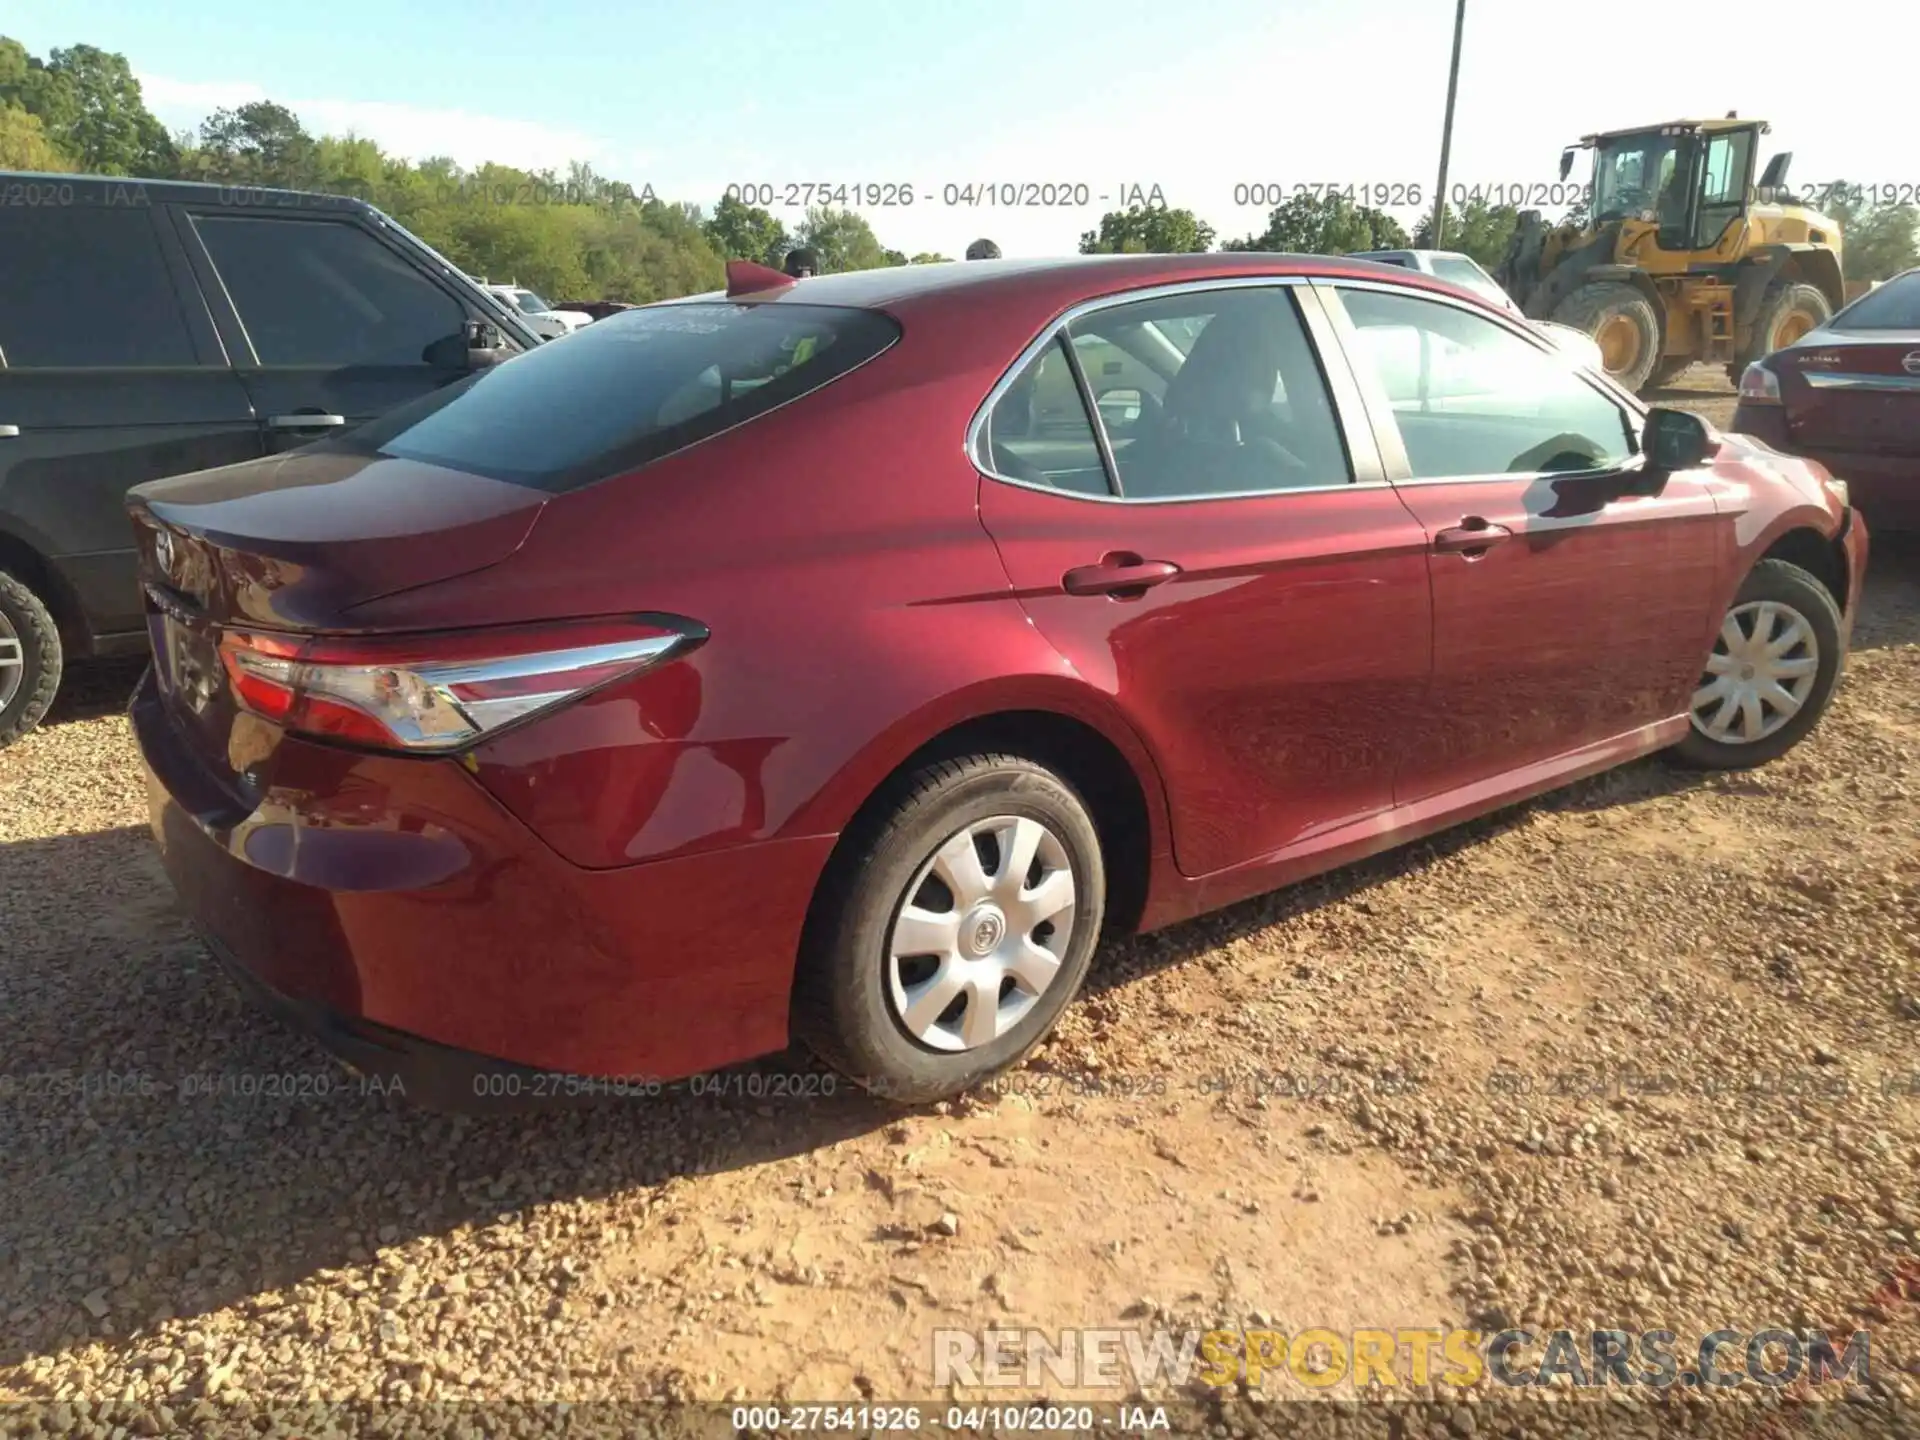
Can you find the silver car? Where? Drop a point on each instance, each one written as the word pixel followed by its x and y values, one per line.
pixel 1464 271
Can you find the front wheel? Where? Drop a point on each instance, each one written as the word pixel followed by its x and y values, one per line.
pixel 1772 670
pixel 953 930
pixel 1622 322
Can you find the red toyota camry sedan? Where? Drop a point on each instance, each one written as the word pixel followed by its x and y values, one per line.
pixel 1848 395
pixel 841 658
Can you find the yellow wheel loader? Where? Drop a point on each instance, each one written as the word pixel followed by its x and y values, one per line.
pixel 1680 257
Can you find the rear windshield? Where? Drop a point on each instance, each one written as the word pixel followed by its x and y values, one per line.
pixel 1894 306
pixel 630 389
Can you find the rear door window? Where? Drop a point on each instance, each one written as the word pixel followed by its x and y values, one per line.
pixel 1243 409
pixel 326 293
pixel 87 286
pixel 628 390
pixel 1198 395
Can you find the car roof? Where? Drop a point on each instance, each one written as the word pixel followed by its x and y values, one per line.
pixel 112 190
pixel 1060 281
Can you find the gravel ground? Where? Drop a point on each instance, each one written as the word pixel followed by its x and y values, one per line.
pixel 1640 1054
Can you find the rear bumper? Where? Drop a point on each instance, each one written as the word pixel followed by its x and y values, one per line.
pixel 380 894
pixel 1886 488
pixel 392 1062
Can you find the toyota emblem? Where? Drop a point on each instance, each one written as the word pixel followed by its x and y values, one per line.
pixel 163 552
pixel 1911 364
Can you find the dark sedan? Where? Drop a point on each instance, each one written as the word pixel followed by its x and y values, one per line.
pixel 1848 395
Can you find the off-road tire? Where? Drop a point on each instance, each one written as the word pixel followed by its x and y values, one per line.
pixel 842 1006
pixel 1668 370
pixel 43 660
pixel 1781 581
pixel 1591 306
pixel 1781 301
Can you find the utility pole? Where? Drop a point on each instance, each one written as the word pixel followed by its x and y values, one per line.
pixel 1446 133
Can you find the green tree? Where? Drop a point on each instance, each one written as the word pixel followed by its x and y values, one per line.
pixel 1876 241
pixel 571 235
pixel 739 231
pixel 16 66
pixel 1324 224
pixel 89 105
pixel 1881 243
pixel 1478 229
pixel 24 144
pixel 259 143
pixel 929 257
pixel 1148 230
pixel 842 239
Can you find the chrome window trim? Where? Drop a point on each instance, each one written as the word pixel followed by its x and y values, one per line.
pixel 1633 466
pixel 1058 326
pixel 1857 380
pixel 1601 384
pixel 1184 499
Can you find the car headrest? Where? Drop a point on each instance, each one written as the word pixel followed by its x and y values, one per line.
pixel 1229 374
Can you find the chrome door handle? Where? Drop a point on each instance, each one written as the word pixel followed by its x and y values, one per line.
pixel 1120 573
pixel 1472 537
pixel 9 432
pixel 305 422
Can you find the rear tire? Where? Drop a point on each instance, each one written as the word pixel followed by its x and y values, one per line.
pixel 1777 596
pixel 1787 312
pixel 1625 318
pixel 859 974
pixel 31 659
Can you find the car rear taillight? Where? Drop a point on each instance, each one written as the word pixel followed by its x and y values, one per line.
pixel 438 693
pixel 1759 385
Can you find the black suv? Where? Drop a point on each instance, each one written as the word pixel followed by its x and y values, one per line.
pixel 150 328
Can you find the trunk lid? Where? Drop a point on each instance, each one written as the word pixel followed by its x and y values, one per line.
pixel 291 543
pixel 1856 391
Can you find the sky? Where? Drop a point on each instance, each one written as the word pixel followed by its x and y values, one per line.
pixel 1195 97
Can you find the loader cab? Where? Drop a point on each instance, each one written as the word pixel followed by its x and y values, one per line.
pixel 1691 181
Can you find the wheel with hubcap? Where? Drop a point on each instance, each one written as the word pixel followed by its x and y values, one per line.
pixel 952 929
pixel 30 659
pixel 1770 674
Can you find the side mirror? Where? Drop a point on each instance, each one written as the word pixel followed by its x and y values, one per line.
pixel 1566 163
pixel 1676 440
pixel 486 346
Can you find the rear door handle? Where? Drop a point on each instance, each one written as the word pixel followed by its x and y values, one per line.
pixel 1117 572
pixel 1471 537
pixel 305 422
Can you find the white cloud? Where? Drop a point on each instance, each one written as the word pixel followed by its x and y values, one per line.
pixel 413 131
